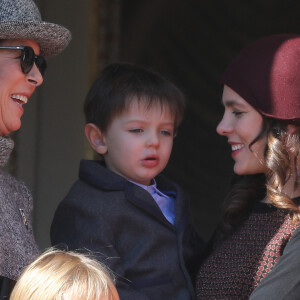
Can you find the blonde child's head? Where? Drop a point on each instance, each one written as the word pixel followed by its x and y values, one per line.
pixel 63 275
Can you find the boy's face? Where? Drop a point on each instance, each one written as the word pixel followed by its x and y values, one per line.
pixel 139 142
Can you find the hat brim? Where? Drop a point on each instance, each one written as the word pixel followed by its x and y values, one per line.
pixel 52 38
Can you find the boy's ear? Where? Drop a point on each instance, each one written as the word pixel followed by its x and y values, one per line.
pixel 96 138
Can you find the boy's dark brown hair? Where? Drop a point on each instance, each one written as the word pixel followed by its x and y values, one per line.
pixel 120 83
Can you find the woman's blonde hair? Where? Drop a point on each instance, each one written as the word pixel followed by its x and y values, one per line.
pixel 282 161
pixel 65 275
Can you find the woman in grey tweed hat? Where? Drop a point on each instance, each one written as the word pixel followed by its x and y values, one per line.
pixel 25 42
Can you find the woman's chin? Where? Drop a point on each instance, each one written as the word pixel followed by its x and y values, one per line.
pixel 239 170
pixel 5 130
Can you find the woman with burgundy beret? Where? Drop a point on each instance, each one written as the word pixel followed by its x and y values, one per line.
pixel 255 251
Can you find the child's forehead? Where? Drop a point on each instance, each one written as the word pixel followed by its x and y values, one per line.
pixel 144 109
pixel 144 104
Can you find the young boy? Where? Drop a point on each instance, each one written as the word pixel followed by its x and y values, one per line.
pixel 135 220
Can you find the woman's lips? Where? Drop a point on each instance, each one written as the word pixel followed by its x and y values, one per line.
pixel 236 149
pixel 21 99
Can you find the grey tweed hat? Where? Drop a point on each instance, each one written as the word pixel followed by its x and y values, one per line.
pixel 21 19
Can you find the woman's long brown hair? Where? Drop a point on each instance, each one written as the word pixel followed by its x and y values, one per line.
pixel 281 149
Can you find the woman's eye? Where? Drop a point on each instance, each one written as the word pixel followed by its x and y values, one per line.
pixel 237 113
pixel 136 130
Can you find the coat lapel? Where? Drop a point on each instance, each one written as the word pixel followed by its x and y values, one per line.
pixel 144 201
pixel 97 174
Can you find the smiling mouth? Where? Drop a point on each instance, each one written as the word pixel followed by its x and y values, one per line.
pixel 237 147
pixel 20 99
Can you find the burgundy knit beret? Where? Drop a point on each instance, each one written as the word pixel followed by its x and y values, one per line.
pixel 267 75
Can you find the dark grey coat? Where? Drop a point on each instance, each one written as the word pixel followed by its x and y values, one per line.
pixel 17 245
pixel 283 282
pixel 124 226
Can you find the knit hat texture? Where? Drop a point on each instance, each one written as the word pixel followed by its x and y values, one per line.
pixel 21 19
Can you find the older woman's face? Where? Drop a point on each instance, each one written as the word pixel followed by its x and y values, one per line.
pixel 15 86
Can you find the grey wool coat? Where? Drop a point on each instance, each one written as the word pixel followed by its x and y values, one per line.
pixel 17 244
pixel 123 226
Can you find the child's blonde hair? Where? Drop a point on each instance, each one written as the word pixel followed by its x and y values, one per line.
pixel 65 275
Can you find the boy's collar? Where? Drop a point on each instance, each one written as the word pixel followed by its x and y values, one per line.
pixel 152 189
pixel 146 187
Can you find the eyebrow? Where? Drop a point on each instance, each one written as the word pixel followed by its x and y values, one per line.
pixel 231 103
pixel 145 122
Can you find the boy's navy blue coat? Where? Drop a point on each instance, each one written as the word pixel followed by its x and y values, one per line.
pixel 122 224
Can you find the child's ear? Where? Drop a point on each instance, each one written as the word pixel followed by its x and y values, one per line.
pixel 96 138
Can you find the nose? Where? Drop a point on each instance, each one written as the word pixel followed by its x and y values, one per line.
pixel 35 77
pixel 224 127
pixel 152 140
